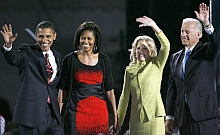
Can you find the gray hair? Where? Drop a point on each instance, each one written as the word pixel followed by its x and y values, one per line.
pixel 197 23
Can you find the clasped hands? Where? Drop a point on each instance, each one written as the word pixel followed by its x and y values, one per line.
pixel 114 129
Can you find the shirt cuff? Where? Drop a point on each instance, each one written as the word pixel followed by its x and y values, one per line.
pixel 209 30
pixel 169 117
pixel 7 49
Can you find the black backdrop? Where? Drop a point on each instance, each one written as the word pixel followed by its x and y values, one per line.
pixel 168 15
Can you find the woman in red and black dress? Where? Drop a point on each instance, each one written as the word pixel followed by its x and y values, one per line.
pixel 86 83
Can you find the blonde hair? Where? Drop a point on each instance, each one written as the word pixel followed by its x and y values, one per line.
pixel 150 46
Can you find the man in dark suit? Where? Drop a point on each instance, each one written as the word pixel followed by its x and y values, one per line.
pixel 36 111
pixel 191 101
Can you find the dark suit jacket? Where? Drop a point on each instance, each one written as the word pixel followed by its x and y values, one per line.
pixel 198 83
pixel 30 108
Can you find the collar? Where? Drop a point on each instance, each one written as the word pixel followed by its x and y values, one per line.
pixel 186 48
pixel 49 52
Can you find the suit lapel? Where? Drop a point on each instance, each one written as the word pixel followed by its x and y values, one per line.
pixel 57 59
pixel 191 62
pixel 177 66
pixel 42 62
pixel 41 59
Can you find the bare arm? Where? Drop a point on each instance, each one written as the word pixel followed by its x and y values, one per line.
pixel 111 98
pixel 61 98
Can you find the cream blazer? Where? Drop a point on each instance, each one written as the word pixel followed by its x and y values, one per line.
pixel 143 81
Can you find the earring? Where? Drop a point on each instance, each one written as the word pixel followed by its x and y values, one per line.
pixel 80 47
pixel 94 48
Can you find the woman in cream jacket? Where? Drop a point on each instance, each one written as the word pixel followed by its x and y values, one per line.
pixel 142 79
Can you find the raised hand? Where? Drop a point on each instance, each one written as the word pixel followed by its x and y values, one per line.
pixel 8 35
pixel 203 14
pixel 146 21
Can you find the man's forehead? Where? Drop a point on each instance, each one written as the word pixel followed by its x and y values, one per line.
pixel 45 33
pixel 45 30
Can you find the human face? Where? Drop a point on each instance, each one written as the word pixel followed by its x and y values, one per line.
pixel 87 41
pixel 45 38
pixel 189 36
pixel 142 52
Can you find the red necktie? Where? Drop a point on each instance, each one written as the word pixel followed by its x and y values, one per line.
pixel 49 73
pixel 49 69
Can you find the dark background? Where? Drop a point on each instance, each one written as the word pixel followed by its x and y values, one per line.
pixel 116 19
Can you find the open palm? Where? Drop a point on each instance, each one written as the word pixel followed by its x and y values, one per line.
pixel 7 34
pixel 203 14
pixel 145 21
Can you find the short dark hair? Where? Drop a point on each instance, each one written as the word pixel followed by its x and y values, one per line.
pixel 90 26
pixel 45 24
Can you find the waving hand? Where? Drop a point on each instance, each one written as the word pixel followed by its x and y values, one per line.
pixel 8 35
pixel 146 21
pixel 203 14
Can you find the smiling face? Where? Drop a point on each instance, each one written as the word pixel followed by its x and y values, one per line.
pixel 142 52
pixel 45 38
pixel 189 36
pixel 87 41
